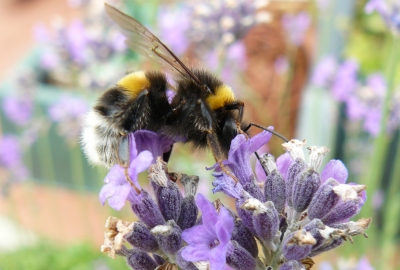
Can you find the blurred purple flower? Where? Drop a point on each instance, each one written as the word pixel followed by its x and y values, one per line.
pixel 11 160
pixel 77 41
pixel 324 72
pixel 67 108
pixel 388 10
pixel 236 53
pixel 296 26
pixel 18 109
pixel 210 240
pixel 117 189
pixel 372 121
pixel 10 151
pixel 220 23
pixel 345 81
pixel 364 264
pixel 172 24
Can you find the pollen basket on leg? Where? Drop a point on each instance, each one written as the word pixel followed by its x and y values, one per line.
pixel 223 95
pixel 135 83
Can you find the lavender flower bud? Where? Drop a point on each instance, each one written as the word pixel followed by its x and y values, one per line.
pixel 142 239
pixel 245 215
pixel 275 186
pixel 147 210
pixel 182 263
pixel 325 198
pixel 326 247
pixel 140 260
pixel 349 205
pixel 265 221
pixel 240 258
pixel 169 198
pixel 314 228
pixel 298 245
pixel 158 259
pixel 253 190
pixel 169 237
pixel 354 227
pixel 304 189
pixel 189 210
pixel 293 173
pixel 292 265
pixel 188 215
pixel 243 237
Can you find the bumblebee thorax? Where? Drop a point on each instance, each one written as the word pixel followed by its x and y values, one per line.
pixel 223 95
pixel 135 83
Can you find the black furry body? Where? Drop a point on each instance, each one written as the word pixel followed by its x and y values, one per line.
pixel 187 118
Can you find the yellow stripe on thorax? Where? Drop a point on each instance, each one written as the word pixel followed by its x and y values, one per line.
pixel 135 83
pixel 223 95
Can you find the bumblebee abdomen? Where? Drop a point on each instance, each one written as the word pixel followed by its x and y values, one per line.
pixel 138 101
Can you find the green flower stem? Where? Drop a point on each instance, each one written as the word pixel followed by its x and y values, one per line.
pixel 377 162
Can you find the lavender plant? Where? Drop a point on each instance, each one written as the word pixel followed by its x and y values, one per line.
pixel 296 213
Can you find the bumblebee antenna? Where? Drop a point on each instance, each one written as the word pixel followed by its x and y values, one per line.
pixel 266 129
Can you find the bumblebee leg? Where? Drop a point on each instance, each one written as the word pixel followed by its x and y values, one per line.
pixel 125 161
pixel 217 153
pixel 266 129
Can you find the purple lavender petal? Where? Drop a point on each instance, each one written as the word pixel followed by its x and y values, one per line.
pixel 217 257
pixel 199 252
pixel 141 163
pixel 155 143
pixel 224 226
pixel 116 189
pixel 334 169
pixel 224 183
pixel 210 216
pixel 260 173
pixel 283 163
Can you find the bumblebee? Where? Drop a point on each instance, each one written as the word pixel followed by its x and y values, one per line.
pixel 204 110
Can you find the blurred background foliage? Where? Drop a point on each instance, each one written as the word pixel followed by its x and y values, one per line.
pixel 325 71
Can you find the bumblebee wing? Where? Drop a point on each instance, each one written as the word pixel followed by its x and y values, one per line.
pixel 141 40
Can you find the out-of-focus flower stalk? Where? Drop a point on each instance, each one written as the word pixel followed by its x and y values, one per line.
pixel 381 144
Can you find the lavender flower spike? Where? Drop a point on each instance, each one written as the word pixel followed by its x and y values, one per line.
pixel 210 240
